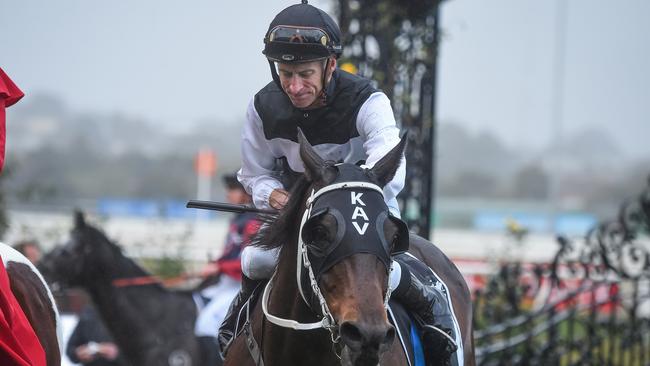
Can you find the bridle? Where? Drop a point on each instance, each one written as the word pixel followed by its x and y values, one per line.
pixel 327 322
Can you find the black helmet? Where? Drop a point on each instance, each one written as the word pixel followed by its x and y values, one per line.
pixel 302 33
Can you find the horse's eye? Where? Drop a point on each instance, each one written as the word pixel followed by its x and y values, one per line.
pixel 317 239
pixel 319 234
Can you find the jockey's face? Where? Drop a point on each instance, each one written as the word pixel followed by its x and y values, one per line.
pixel 303 82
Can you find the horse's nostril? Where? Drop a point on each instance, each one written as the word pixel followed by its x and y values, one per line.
pixel 351 335
pixel 390 336
pixel 357 336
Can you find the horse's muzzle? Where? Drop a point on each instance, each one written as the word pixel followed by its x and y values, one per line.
pixel 366 342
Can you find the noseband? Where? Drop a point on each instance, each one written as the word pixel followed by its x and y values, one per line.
pixel 327 322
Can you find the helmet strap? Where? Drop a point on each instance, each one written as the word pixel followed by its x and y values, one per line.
pixel 275 75
pixel 324 91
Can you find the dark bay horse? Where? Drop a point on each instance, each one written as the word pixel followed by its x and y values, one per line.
pixel 322 311
pixel 153 326
pixel 36 301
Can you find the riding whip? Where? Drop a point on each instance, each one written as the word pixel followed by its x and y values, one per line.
pixel 227 207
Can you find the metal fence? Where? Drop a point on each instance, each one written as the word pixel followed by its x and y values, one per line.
pixel 589 306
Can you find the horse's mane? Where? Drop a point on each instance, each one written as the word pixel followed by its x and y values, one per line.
pixel 278 229
pixel 96 235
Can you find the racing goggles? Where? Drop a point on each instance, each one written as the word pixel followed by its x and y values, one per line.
pixel 305 35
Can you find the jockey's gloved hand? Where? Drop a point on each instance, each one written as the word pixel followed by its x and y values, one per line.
pixel 278 198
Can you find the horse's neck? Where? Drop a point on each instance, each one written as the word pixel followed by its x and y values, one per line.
pixel 105 292
pixel 128 302
pixel 286 287
pixel 132 313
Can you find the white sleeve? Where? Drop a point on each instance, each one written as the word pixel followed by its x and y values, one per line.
pixel 377 127
pixel 256 173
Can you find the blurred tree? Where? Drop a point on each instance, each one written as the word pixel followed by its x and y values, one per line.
pixel 460 151
pixel 470 184
pixel 531 181
pixel 168 267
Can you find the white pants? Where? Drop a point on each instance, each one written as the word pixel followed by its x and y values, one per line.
pixel 259 264
pixel 210 318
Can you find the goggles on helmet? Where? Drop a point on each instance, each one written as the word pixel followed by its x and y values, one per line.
pixel 294 44
pixel 290 34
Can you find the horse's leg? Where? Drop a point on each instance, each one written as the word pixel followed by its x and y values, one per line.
pixel 460 296
pixel 32 295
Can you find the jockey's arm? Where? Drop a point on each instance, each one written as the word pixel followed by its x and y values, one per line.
pixel 256 173
pixel 378 129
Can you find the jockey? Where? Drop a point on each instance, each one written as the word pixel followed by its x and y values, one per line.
pixel 240 231
pixel 342 115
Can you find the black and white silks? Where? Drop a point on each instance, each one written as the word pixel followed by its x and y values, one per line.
pixel 366 131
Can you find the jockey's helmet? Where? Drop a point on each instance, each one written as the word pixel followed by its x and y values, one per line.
pixel 302 33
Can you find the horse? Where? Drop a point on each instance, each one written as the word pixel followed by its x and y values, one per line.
pixel 317 311
pixel 36 301
pixel 151 325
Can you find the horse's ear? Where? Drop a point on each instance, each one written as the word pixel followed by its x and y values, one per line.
pixel 79 219
pixel 384 170
pixel 314 164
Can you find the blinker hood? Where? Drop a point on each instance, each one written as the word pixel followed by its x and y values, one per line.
pixel 360 216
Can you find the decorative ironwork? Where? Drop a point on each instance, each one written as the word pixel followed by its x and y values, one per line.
pixel 589 306
pixel 395 43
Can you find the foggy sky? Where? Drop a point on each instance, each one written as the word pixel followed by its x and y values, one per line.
pixel 178 62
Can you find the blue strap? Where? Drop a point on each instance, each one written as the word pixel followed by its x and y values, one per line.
pixel 418 352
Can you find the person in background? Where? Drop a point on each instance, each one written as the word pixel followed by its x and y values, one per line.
pixel 91 344
pixel 241 230
pixel 30 249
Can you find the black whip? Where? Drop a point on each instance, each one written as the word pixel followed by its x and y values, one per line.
pixel 227 207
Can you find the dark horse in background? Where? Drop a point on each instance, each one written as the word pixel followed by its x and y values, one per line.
pixel 152 326
pixel 353 288
pixel 36 301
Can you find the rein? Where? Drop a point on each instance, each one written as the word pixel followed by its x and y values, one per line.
pixel 327 322
pixel 153 279
pixel 136 281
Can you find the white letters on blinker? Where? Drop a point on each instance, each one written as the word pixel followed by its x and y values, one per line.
pixel 357 198
pixel 358 211
pixel 361 230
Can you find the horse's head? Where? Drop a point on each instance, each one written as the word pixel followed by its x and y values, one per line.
pixel 85 257
pixel 349 236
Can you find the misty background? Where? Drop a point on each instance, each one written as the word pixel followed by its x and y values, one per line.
pixel 120 97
